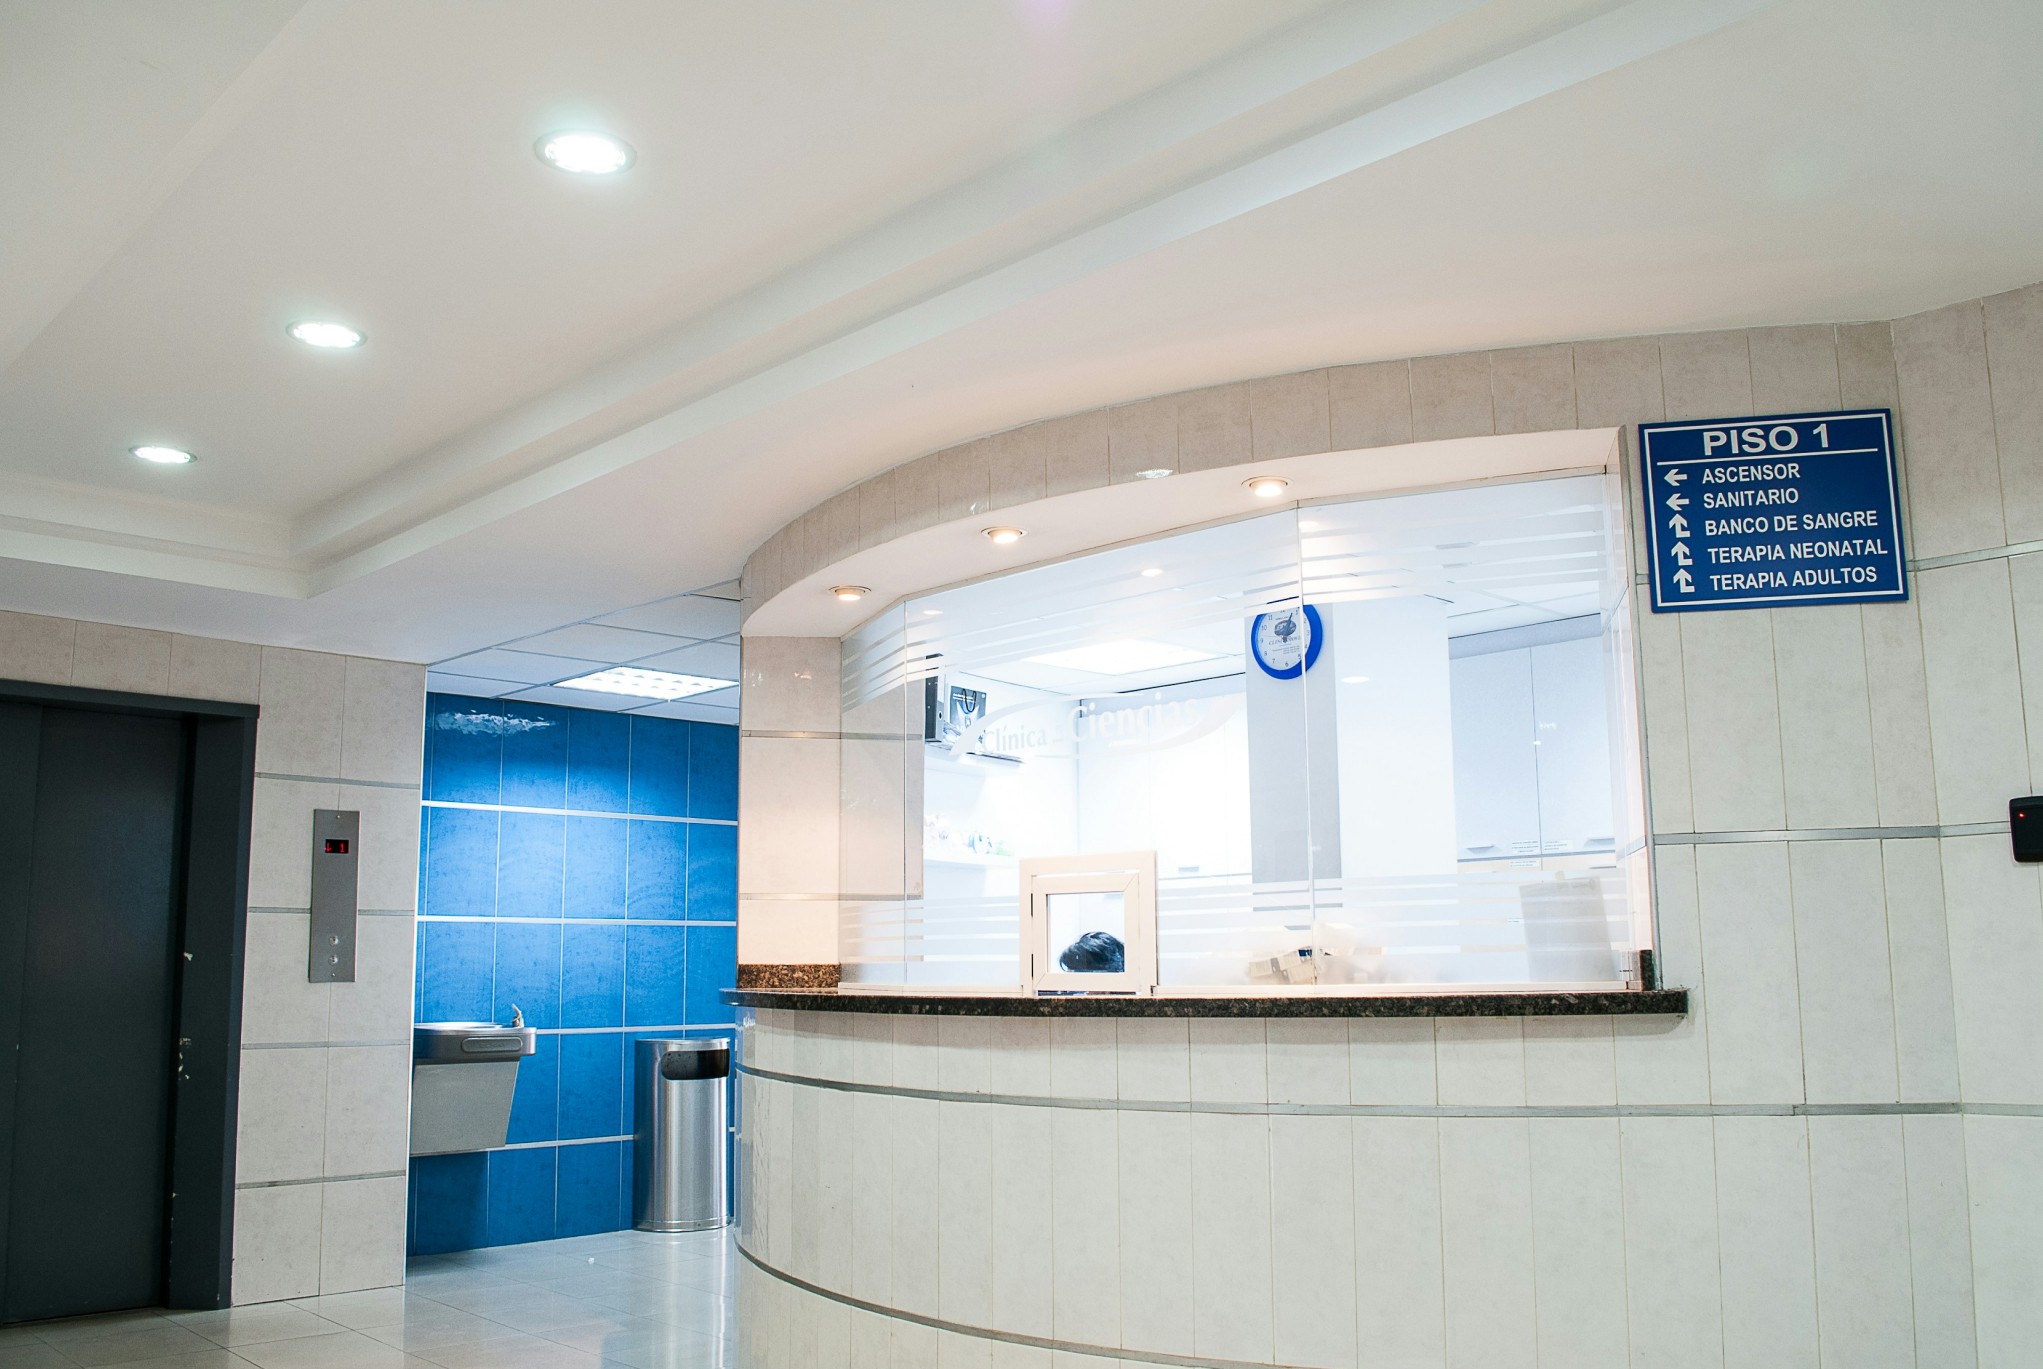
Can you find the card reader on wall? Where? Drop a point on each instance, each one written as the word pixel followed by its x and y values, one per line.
pixel 2025 823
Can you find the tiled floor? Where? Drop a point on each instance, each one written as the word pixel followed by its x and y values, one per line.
pixel 626 1300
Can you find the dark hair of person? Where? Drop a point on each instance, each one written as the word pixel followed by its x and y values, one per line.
pixel 1094 953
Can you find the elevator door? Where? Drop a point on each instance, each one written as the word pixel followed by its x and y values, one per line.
pixel 91 835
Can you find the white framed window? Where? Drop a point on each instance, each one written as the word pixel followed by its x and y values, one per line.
pixel 1089 923
pixel 1377 745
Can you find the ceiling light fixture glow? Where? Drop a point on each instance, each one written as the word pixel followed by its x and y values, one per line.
pixel 1154 473
pixel 1131 657
pixel 646 684
pixel 586 154
pixel 1267 486
pixel 323 333
pixel 1003 537
pixel 849 594
pixel 164 456
pixel 1152 572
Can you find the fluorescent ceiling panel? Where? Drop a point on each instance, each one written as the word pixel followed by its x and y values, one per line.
pixel 646 684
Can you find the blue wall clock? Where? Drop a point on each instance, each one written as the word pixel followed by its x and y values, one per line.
pixel 1286 643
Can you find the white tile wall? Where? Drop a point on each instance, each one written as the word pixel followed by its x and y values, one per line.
pixel 1674 1296
pixel 1023 1217
pixel 1864 1292
pixel 1486 1238
pixel 1940 1239
pixel 1578 1242
pixel 1748 935
pixel 1155 1232
pixel 1844 974
pixel 1085 1290
pixel 1232 1308
pixel 1975 690
pixel 1312 1240
pixel 1768 1260
pixel 2004 1169
pixel 314 1111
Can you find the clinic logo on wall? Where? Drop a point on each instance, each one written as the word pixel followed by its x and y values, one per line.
pixel 1122 724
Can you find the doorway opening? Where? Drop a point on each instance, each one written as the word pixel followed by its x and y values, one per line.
pixel 124 830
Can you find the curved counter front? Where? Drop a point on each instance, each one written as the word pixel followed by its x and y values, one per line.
pixel 932 1190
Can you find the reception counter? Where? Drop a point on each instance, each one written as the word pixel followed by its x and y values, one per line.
pixel 1324 1181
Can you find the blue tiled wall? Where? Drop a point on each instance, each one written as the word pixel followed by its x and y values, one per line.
pixel 582 866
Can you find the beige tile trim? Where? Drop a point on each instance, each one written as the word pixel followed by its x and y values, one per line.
pixel 322 1179
pixel 1958 829
pixel 1941 1108
pixel 1069 1347
pixel 335 779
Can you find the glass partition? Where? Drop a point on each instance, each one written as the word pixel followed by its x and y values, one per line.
pixel 1387 742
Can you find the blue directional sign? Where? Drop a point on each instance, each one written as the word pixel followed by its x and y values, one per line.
pixel 1773 512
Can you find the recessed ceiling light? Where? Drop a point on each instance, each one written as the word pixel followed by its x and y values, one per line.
pixel 1354 679
pixel 1131 657
pixel 1152 572
pixel 1267 486
pixel 849 594
pixel 164 456
pixel 932 613
pixel 585 154
pixel 1154 473
pixel 645 684
pixel 1003 537
pixel 320 333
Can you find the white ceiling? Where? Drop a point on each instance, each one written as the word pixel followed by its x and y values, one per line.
pixel 856 233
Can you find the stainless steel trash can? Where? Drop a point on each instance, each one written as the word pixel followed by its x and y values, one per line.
pixel 678 1150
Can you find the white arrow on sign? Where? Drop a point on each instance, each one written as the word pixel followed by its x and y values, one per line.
pixel 1677 501
pixel 1676 476
pixel 1680 553
pixel 1678 525
pixel 1685 581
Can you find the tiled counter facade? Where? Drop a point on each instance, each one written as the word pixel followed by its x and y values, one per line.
pixel 1835 1157
pixel 325 1068
pixel 929 1191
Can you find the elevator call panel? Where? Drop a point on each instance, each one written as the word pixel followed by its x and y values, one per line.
pixel 336 834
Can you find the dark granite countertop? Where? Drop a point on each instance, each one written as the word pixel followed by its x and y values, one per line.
pixel 1633 1001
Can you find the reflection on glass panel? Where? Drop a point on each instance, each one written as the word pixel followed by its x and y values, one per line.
pixel 1088 931
pixel 1384 742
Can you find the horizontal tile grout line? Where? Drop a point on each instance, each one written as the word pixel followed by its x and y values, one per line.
pixel 563 1141
pixel 584 921
pixel 323 1179
pixel 832 898
pixel 1955 829
pixel 761 732
pixel 1069 1347
pixel 1959 558
pixel 572 812
pixel 670 1027
pixel 1926 1109
pixel 540 1031
pixel 321 1045
pixel 333 779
